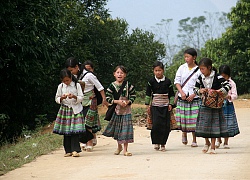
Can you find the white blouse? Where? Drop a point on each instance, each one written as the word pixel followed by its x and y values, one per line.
pixel 73 103
pixel 182 74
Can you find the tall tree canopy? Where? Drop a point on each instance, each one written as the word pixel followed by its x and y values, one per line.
pixel 233 48
pixel 36 39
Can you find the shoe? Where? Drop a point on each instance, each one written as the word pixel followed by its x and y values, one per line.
pixel 157 147
pixel 226 146
pixel 163 149
pixel 127 154
pixel 194 144
pixel 67 154
pixel 212 151
pixel 75 154
pixel 217 144
pixel 94 142
pixel 83 146
pixel 89 148
pixel 205 148
pixel 118 151
pixel 184 140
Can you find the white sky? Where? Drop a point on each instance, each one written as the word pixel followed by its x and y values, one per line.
pixel 147 13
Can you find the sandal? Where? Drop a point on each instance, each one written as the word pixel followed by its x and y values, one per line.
pixel 226 146
pixel 163 149
pixel 127 154
pixel 212 151
pixel 205 148
pixel 217 144
pixel 89 148
pixel 194 144
pixel 67 154
pixel 184 140
pixel 157 147
pixel 75 154
pixel 118 151
pixel 94 142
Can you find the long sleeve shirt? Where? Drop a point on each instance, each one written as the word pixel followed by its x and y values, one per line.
pixel 73 103
pixel 233 91
pixel 182 74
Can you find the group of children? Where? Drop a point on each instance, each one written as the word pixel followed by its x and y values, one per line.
pixel 78 119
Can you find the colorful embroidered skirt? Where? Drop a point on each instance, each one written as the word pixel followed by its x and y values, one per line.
pixel 67 122
pixel 186 115
pixel 211 123
pixel 120 127
pixel 230 116
pixel 92 117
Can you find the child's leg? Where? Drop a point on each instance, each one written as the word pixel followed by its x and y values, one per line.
pixel 207 142
pixel 184 138
pixel 226 143
pixel 194 137
pixel 213 143
pixel 75 145
pixel 125 151
pixel 206 146
pixel 217 144
pixel 67 144
pixel 89 146
pixel 119 149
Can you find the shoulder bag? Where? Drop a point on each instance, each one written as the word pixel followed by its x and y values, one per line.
pixel 111 108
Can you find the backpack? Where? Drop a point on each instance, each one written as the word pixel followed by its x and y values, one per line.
pixel 97 93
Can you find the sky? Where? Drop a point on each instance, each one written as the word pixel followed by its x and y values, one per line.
pixel 147 13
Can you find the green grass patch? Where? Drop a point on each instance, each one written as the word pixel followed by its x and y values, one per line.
pixel 13 156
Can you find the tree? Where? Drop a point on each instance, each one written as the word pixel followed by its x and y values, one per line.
pixel 233 47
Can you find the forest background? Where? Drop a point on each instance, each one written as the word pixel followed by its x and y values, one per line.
pixel 38 36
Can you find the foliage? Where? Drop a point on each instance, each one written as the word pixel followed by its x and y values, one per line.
pixel 15 155
pixel 233 47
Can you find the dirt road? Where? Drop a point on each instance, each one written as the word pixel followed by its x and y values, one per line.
pixel 178 162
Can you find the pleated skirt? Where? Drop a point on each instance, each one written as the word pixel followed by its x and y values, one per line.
pixel 230 116
pixel 211 123
pixel 68 123
pixel 120 127
pixel 186 115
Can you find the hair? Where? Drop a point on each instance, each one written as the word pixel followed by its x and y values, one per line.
pixel 66 73
pixel 207 63
pixel 225 69
pixel 158 64
pixel 192 52
pixel 88 62
pixel 73 62
pixel 122 68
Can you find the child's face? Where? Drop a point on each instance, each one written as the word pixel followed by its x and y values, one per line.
pixel 66 80
pixel 119 75
pixel 89 68
pixel 205 70
pixel 158 72
pixel 73 70
pixel 189 59
pixel 225 76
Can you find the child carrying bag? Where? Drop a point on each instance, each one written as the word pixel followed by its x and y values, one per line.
pixel 213 99
pixel 111 108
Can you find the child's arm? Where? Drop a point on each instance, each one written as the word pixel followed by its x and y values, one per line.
pixel 59 96
pixel 148 94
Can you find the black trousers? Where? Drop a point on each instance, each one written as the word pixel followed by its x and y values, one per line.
pixel 71 143
pixel 161 125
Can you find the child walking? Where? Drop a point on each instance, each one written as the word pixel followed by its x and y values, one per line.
pixel 120 126
pixel 228 108
pixel 210 121
pixel 69 121
pixel 160 92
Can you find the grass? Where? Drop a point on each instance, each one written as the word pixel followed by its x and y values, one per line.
pixel 244 96
pixel 13 156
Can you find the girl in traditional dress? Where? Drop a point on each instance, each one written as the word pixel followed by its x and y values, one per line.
pixel 228 108
pixel 160 92
pixel 120 126
pixel 188 102
pixel 69 121
pixel 89 103
pixel 210 122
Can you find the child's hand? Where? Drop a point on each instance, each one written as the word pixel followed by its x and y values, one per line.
pixel 64 96
pixel 170 107
pixel 71 96
pixel 122 103
pixel 183 96
pixel 203 90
